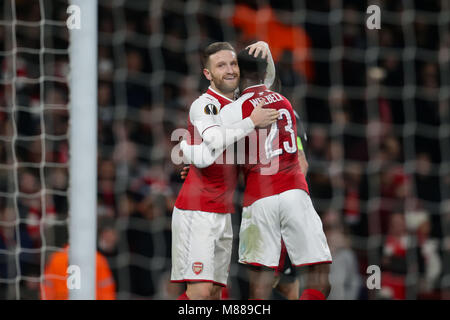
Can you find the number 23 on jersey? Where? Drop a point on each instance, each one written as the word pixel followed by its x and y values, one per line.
pixel 288 145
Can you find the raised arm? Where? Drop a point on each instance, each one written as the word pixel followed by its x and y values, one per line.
pixel 263 47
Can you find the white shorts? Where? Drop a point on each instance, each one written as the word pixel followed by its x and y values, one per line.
pixel 201 246
pixel 290 216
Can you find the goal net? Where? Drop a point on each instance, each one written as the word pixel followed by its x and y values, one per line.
pixel 374 104
pixel 33 141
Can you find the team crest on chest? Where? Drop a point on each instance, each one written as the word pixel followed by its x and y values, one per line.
pixel 197 267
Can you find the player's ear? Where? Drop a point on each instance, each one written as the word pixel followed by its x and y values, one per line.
pixel 207 74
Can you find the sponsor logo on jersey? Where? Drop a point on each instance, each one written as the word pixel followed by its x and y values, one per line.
pixel 197 267
pixel 211 109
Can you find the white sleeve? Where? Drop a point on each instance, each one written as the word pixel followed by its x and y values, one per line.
pixel 220 137
pixel 199 155
pixel 233 127
pixel 216 136
pixel 270 71
pixel 204 114
pixel 203 155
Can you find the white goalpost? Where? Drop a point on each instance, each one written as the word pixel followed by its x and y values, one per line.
pixel 83 151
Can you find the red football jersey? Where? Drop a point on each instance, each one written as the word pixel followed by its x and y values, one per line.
pixel 275 167
pixel 209 189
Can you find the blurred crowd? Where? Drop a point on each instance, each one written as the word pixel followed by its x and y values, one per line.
pixel 374 105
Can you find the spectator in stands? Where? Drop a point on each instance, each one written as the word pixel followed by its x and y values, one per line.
pixel 108 245
pixel 146 248
pixel 264 24
pixel 55 282
pixel 445 280
pixel 54 286
pixel 344 272
pixel 428 258
pixel 394 265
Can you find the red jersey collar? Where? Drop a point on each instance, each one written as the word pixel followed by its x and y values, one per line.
pixel 222 99
pixel 256 88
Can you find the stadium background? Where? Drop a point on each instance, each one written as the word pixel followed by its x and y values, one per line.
pixel 374 105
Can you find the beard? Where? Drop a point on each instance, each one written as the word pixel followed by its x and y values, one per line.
pixel 225 86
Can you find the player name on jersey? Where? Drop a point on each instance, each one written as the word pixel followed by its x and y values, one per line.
pixel 268 99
